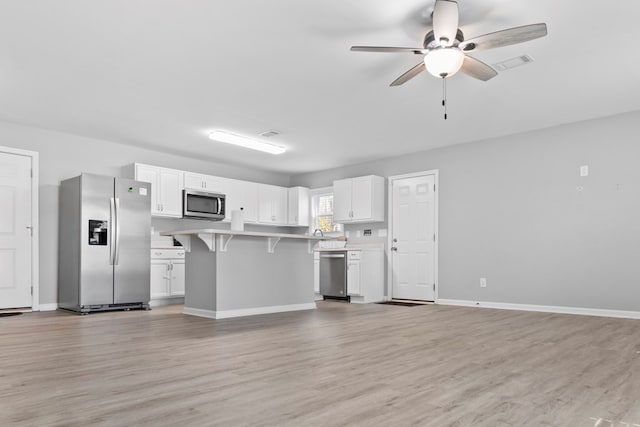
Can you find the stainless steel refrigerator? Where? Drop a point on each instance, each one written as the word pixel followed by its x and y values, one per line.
pixel 104 244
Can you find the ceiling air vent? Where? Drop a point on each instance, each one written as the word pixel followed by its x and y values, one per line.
pixel 270 133
pixel 513 62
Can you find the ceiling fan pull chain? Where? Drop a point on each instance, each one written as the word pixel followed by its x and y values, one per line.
pixel 444 96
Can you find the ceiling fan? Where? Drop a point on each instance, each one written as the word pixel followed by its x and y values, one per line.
pixel 445 49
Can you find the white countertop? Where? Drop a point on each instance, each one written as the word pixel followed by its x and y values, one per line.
pixel 240 233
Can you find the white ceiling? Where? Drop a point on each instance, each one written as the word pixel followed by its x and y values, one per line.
pixel 161 73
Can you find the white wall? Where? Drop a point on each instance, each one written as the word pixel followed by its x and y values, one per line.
pixel 63 156
pixel 510 211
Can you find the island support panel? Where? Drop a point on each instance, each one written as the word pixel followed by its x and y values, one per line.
pixel 247 279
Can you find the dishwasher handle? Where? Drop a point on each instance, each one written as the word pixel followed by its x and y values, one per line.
pixel 332 256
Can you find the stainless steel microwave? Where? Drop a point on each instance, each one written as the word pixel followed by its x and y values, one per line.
pixel 203 205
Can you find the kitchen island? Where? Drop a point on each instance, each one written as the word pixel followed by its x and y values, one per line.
pixel 240 273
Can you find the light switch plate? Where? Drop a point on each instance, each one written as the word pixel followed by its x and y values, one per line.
pixel 584 170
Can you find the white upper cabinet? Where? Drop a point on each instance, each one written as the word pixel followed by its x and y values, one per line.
pixel 298 214
pixel 238 194
pixel 208 183
pixel 261 203
pixel 242 194
pixel 166 189
pixel 193 181
pixel 272 204
pixel 358 199
pixel 342 200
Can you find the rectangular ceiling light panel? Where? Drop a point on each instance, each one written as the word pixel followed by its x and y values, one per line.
pixel 246 142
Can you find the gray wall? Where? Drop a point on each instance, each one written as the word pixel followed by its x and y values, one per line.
pixel 511 211
pixel 63 156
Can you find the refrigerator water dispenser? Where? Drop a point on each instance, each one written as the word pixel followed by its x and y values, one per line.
pixel 98 232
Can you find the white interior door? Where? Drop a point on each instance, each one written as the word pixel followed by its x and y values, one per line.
pixel 15 231
pixel 413 238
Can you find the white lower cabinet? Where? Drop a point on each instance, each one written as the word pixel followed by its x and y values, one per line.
pixel 353 273
pixel 167 273
pixel 316 272
pixel 365 275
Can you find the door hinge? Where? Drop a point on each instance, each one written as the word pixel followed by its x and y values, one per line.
pixel 31 290
pixel 434 188
pixel 434 237
pixel 434 287
pixel 31 173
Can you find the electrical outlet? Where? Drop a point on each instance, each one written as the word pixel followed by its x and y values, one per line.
pixel 584 170
pixel 483 282
pixel 367 232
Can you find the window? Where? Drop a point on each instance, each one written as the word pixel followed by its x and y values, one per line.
pixel 322 211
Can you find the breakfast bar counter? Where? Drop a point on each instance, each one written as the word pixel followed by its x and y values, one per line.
pixel 240 273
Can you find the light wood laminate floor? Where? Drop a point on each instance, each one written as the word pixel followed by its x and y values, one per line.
pixel 339 365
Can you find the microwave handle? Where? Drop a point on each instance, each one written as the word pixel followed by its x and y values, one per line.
pixel 220 205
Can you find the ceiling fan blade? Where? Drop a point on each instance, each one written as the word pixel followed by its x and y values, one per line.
pixel 505 37
pixel 416 50
pixel 477 69
pixel 409 75
pixel 445 22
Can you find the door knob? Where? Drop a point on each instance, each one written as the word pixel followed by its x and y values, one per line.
pixel 393 248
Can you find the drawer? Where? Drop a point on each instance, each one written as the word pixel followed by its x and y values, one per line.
pixel 353 255
pixel 167 253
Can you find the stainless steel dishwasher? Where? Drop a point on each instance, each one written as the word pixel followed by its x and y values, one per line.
pixel 333 275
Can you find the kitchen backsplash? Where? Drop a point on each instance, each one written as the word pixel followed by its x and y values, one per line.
pixel 358 233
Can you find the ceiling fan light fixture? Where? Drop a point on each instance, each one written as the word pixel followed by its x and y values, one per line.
pixel 444 62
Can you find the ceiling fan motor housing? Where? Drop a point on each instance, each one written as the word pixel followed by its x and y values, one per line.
pixel 430 40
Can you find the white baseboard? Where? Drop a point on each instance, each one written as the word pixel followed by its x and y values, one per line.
pixel 199 312
pixel 543 308
pixel 47 307
pixel 225 314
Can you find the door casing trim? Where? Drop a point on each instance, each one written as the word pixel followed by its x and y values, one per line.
pixel 390 180
pixel 35 239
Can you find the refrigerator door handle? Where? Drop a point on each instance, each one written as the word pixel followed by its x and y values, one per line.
pixel 112 232
pixel 116 256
